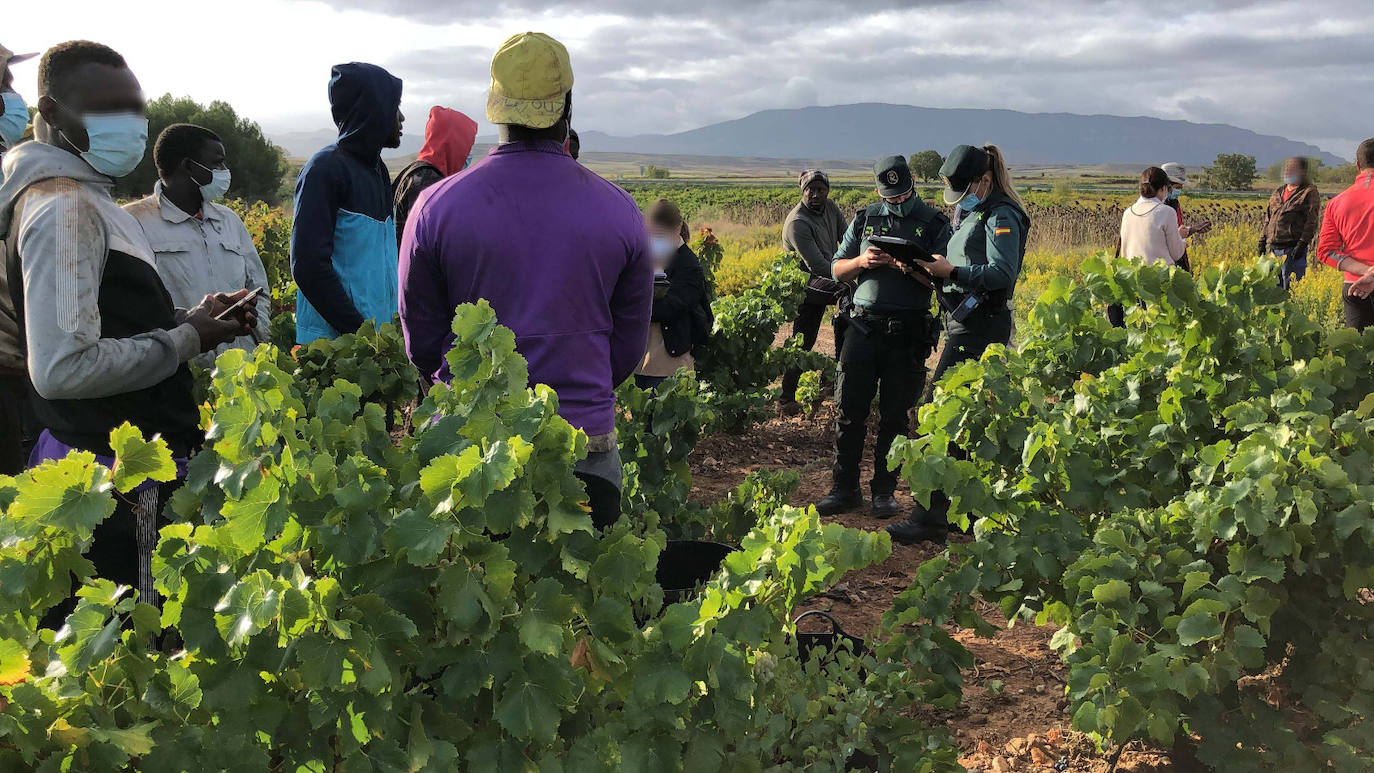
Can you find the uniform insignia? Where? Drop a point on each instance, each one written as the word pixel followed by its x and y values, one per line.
pixel 1001 231
pixel 892 177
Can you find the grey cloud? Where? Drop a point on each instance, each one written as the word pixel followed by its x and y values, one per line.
pixel 1264 66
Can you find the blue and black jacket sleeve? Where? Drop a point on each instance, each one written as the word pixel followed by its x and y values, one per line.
pixel 320 191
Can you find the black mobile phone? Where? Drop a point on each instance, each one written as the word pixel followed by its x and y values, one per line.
pixel 244 301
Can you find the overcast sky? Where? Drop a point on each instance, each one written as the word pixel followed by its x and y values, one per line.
pixel 1303 70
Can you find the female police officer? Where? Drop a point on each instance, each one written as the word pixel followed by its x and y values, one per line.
pixel 891 332
pixel 980 273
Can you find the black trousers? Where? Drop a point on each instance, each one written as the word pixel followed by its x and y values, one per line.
pixel 968 340
pixel 1116 314
pixel 603 498
pixel 888 363
pixel 808 323
pixel 122 546
pixel 16 423
pixel 1359 312
pixel 963 342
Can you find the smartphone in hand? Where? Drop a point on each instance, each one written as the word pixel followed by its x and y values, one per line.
pixel 246 300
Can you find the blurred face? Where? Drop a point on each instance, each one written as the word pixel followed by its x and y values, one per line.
pixel 1291 170
pixel 816 193
pixel 657 231
pixel 90 88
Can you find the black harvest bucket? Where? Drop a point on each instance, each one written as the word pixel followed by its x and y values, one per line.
pixel 806 642
pixel 685 565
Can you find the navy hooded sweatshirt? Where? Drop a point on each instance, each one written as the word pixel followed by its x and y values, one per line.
pixel 343 239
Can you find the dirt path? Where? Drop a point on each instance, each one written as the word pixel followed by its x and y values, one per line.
pixel 1014 697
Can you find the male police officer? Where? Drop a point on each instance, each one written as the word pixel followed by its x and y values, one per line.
pixel 890 335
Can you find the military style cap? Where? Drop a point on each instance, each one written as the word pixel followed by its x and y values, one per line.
pixel 893 177
pixel 964 165
pixel 530 80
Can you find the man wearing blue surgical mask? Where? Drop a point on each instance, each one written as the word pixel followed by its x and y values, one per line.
pixel 103 342
pixel 14 112
pixel 16 422
pixel 201 247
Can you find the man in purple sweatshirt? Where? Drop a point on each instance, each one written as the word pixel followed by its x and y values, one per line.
pixel 558 252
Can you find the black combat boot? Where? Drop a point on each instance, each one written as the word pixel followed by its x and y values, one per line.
pixel 912 531
pixel 840 501
pixel 884 506
pixel 924 525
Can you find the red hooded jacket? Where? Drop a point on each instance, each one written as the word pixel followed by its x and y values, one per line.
pixel 449 137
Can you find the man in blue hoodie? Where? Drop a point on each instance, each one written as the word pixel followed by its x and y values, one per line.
pixel 343 239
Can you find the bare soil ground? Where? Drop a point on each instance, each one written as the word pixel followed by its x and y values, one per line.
pixel 1024 725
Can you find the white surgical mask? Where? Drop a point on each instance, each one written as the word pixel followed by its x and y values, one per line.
pixel 14 120
pixel 116 142
pixel 218 185
pixel 1291 179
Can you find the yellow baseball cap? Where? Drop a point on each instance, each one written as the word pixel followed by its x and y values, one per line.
pixel 530 79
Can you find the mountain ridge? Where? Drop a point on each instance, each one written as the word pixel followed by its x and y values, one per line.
pixel 868 130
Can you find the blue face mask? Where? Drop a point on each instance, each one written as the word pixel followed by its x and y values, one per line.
pixel 969 201
pixel 1288 179
pixel 116 141
pixel 1173 194
pixel 14 120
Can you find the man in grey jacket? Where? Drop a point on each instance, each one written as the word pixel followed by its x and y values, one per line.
pixel 103 341
pixel 813 231
pixel 201 247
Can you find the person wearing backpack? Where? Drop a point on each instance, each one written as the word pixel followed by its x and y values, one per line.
pixel 681 315
pixel 449 137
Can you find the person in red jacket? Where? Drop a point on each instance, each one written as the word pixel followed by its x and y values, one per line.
pixel 449 137
pixel 1347 239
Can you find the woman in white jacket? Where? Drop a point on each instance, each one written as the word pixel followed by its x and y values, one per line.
pixel 1149 230
pixel 1149 227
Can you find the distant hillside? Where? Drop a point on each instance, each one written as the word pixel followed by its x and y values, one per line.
pixel 866 131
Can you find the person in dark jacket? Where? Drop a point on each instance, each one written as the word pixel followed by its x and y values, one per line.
pixel 1290 222
pixel 980 272
pixel 449 137
pixel 681 316
pixel 813 230
pixel 343 237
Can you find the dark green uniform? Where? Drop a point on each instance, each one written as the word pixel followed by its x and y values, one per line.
pixel 886 347
pixel 986 252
